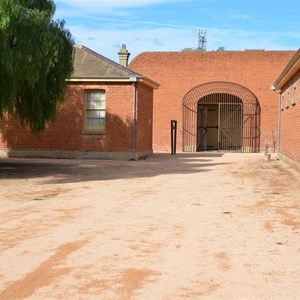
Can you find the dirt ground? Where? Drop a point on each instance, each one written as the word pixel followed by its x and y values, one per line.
pixel 190 226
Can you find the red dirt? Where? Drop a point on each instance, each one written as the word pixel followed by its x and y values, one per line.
pixel 190 226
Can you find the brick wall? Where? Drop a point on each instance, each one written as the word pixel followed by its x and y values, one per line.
pixel 66 133
pixel 290 119
pixel 179 72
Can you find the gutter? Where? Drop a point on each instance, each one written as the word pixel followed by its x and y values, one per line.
pixel 143 80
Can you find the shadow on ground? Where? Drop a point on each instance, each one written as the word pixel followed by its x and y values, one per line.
pixel 67 171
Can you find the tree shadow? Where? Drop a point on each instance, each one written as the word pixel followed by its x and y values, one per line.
pixel 68 132
pixel 72 171
pixel 67 136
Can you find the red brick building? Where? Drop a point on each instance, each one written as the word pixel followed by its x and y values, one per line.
pixel 107 114
pixel 221 100
pixel 287 86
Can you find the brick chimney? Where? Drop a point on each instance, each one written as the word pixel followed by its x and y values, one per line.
pixel 123 56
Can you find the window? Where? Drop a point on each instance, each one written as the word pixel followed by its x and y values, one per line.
pixel 95 111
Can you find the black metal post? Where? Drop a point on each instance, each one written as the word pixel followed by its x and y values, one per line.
pixel 173 136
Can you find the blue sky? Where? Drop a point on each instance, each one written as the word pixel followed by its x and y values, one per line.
pixel 171 25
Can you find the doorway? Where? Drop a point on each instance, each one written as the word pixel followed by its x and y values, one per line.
pixel 220 116
pixel 207 127
pixel 219 126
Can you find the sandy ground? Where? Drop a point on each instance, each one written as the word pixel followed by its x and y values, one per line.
pixel 190 226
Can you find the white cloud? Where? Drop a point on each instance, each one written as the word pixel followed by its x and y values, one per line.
pixel 121 22
pixel 107 6
pixel 104 25
pixel 240 40
pixel 108 42
pixel 240 17
pixel 110 3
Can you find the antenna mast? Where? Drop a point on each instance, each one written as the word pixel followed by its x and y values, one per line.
pixel 201 39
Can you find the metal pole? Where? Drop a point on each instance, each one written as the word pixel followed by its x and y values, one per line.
pixel 278 92
pixel 279 126
pixel 133 122
pixel 173 136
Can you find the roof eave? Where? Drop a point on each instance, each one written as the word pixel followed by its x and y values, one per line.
pixel 143 80
pixel 99 79
pixel 290 70
pixel 148 82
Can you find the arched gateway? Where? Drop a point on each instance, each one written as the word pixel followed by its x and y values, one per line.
pixel 221 116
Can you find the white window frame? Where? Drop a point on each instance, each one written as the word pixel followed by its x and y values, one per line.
pixel 94 111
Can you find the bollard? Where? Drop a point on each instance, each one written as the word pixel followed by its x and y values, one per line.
pixel 173 136
pixel 266 151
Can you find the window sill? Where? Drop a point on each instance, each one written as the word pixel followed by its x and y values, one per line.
pixel 94 132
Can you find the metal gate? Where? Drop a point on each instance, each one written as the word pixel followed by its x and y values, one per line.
pixel 236 127
pixel 228 127
pixel 231 126
pixel 202 127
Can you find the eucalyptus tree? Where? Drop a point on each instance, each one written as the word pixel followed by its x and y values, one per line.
pixel 36 57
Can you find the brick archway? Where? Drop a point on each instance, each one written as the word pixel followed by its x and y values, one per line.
pixel 237 116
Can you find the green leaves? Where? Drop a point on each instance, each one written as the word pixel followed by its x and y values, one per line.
pixel 36 56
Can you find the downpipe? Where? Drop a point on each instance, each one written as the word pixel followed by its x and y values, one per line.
pixel 278 92
pixel 279 125
pixel 133 152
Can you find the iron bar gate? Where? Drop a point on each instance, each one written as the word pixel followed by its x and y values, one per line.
pixel 236 127
pixel 230 126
